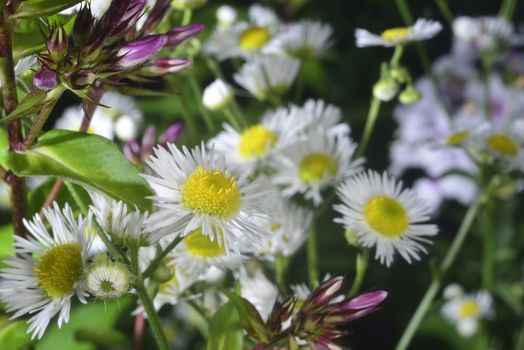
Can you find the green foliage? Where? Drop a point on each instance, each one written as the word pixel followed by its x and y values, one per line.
pixel 93 318
pixel 13 335
pixel 42 8
pixel 29 104
pixel 225 332
pixel 6 244
pixel 89 160
pixel 249 317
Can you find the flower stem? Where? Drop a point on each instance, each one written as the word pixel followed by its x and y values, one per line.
pixel 433 288
pixel 152 316
pixel 197 93
pixel 312 257
pixel 507 9
pixel 488 249
pixel 444 10
pixel 362 261
pixel 281 265
pixel 374 109
pixel 158 259
pixel 14 127
pixel 232 119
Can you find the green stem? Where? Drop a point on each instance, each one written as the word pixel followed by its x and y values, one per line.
pixel 507 9
pixel 188 119
pixel 158 259
pixel 486 65
pixel 231 118
pixel 433 288
pixel 312 257
pixel 488 249
pixel 281 265
pixel 445 10
pixel 405 13
pixel 370 125
pixel 397 55
pixel 152 316
pixel 362 262
pixel 197 93
pixel 186 19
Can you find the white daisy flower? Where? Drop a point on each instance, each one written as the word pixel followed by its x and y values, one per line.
pixel 315 163
pixel 195 189
pixel 125 226
pixel 385 216
pixel 482 32
pixel 226 15
pixel 47 269
pixel 504 145
pixel 423 29
pixel 306 38
pixel 267 75
pixel 123 111
pixel 259 291
pixel 106 279
pixel 466 310
pixel 72 118
pixel 217 95
pixel 244 39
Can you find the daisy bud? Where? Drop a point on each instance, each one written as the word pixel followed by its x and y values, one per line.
pixel 107 279
pixel 164 66
pixel 126 128
pixel 45 79
pixel 138 51
pixel 57 43
pixel 226 16
pixel 162 273
pixel 453 291
pixel 217 96
pixel 352 237
pixel 400 74
pixel 385 89
pixel 187 4
pixel 410 95
pixel 179 34
pixel 82 79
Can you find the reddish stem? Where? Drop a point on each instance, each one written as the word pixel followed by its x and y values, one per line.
pixel 139 330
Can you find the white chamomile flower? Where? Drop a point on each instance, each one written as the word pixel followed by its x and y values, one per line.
pixel 226 15
pixel 123 225
pixel 100 124
pixel 217 95
pixel 290 226
pixel 314 163
pixel 423 29
pixel 306 38
pixel 466 310
pixel 259 291
pixel 244 39
pixel 98 8
pixel 385 216
pixel 268 75
pixel 195 189
pixel 197 253
pixel 317 114
pixel 503 145
pixel 106 279
pixel 123 111
pixel 256 143
pixel 482 32
pixel 48 268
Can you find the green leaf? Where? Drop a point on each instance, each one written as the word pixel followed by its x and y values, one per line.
pixel 225 332
pixel 13 335
pixel 89 160
pixel 99 315
pixel 250 319
pixel 43 8
pixel 28 105
pixel 6 244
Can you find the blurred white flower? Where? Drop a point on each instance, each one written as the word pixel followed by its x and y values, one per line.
pixel 306 38
pixel 217 95
pixel 259 291
pixel 423 29
pixel 226 16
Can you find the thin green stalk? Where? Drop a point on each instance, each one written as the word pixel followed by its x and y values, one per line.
pixel 488 250
pixel 433 288
pixel 186 19
pixel 312 257
pixel 231 118
pixel 281 265
pixel 397 55
pixel 152 316
pixel 362 262
pixel 370 125
pixel 158 259
pixel 186 115
pixel 445 10
pixel 507 9
pixel 405 13
pixel 197 93
pixel 486 66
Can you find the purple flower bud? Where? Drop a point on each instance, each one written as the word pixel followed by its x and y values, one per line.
pixel 156 15
pixel 164 66
pixel 148 141
pixel 172 133
pixel 57 43
pixel 182 33
pixel 83 26
pixel 132 151
pixel 82 79
pixel 140 50
pixel 326 290
pixel 366 300
pixel 45 79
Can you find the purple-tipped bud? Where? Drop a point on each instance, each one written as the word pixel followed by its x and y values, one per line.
pixel 83 26
pixel 148 142
pixel 140 50
pixel 326 290
pixel 57 43
pixel 172 133
pixel 132 151
pixel 182 33
pixel 156 15
pixel 45 79
pixel 164 66
pixel 367 300
pixel 82 79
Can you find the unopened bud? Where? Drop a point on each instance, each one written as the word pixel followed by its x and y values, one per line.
pixel 163 273
pixel 172 133
pixel 179 34
pixel 400 74
pixel 45 79
pixel 226 16
pixel 352 237
pixel 140 50
pixel 385 89
pixel 57 44
pixel 217 96
pixel 82 79
pixel 106 279
pixel 187 4
pixel 410 95
pixel 83 26
pixel 164 66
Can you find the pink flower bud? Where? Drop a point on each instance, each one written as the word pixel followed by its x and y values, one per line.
pixel 45 79
pixel 182 33
pixel 164 66
pixel 140 50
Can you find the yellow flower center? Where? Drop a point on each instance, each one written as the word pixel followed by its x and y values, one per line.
pixel 59 269
pixel 395 34
pixel 211 192
pixel 253 38
pixel 386 216
pixel 457 138
pixel 201 246
pixel 315 166
pixel 503 144
pixel 468 308
pixel 255 141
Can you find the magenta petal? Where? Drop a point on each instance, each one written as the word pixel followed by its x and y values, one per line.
pixel 182 33
pixel 140 50
pixel 366 300
pixel 45 80
pixel 172 133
